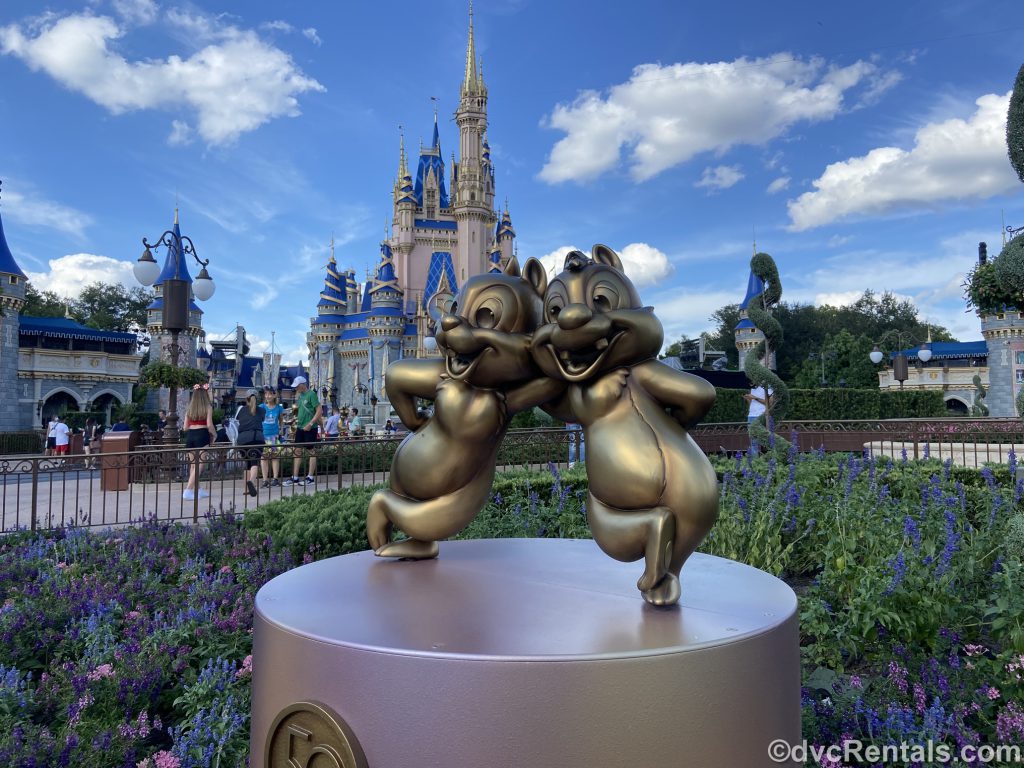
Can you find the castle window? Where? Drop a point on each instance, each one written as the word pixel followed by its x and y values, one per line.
pixel 14 279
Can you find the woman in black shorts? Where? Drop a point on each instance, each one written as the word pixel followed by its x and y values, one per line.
pixel 250 438
pixel 199 433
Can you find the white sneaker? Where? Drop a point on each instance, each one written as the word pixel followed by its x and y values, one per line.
pixel 203 494
pixel 188 494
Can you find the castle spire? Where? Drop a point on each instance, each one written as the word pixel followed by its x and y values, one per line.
pixel 470 81
pixel 403 169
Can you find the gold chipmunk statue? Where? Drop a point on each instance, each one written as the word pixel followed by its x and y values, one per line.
pixel 442 472
pixel 653 493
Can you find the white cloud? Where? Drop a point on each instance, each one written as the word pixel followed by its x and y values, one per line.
pixel 278 26
pixel 37 212
pixel 136 11
pixel 312 36
pixel 686 311
pixel 233 85
pixel 181 133
pixel 644 264
pixel 837 240
pixel 778 185
pixel 719 177
pixel 952 160
pixel 665 115
pixel 68 275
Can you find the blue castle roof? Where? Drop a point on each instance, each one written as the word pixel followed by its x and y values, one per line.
pixel 755 285
pixel 333 293
pixel 175 265
pixel 495 260
pixel 440 273
pixel 430 160
pixel 946 350
pixel 7 262
pixel 65 328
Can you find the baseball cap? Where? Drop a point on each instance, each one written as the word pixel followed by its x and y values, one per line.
pixel 251 393
pixel 299 380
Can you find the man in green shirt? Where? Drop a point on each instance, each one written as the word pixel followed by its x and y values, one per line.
pixel 306 421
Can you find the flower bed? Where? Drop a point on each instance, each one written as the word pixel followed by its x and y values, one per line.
pixel 132 647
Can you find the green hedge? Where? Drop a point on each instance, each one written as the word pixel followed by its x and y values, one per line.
pixel 76 419
pixel 21 443
pixel 149 418
pixel 837 403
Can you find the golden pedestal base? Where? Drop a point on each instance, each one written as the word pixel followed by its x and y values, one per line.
pixel 521 652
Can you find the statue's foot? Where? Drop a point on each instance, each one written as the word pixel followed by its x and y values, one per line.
pixel 656 567
pixel 665 592
pixel 408 549
pixel 378 527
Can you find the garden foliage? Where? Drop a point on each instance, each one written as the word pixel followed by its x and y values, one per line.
pixel 836 403
pixel 132 647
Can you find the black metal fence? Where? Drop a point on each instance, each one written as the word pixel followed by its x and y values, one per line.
pixel 122 488
pixel 112 489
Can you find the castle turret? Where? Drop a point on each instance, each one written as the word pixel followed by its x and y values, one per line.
pixel 12 299
pixel 747 334
pixel 474 203
pixel 505 236
pixel 1004 338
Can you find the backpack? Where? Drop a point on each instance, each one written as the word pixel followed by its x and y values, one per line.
pixel 232 428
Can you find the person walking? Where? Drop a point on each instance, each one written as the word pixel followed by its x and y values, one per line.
pixel 250 435
pixel 199 433
pixel 88 439
pixel 61 438
pixel 51 436
pixel 308 415
pixel 355 424
pixel 272 413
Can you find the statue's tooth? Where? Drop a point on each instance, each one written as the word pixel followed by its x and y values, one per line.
pixel 601 343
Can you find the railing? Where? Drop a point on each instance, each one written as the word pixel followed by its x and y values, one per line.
pixel 969 442
pixel 112 489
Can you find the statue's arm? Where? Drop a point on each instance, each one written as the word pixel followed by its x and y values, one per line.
pixel 539 391
pixel 688 397
pixel 407 380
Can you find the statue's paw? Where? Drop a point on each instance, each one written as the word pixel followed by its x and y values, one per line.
pixel 378 527
pixel 665 592
pixel 408 549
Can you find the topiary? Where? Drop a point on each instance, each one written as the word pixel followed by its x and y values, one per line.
pixel 764 267
pixel 1008 268
pixel 979 408
pixel 1015 125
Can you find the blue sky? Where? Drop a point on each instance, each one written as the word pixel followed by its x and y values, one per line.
pixel 863 142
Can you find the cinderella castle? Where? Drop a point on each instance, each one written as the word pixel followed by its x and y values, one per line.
pixel 444 229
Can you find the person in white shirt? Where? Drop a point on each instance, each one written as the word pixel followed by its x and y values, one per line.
pixel 758 400
pixel 51 438
pixel 62 437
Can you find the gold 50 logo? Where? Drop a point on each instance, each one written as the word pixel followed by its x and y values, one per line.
pixel 309 735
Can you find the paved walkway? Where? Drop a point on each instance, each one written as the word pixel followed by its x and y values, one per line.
pixel 75 497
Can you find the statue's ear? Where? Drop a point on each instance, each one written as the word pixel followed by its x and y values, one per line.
pixel 602 254
pixel 512 268
pixel 536 276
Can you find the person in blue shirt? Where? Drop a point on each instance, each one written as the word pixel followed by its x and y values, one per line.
pixel 271 463
pixel 120 425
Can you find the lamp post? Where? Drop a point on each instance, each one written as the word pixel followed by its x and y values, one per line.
pixel 822 356
pixel 900 370
pixel 175 285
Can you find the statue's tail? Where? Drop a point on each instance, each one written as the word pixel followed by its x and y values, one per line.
pixel 438 518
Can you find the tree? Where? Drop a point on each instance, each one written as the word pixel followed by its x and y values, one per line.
pixel 842 361
pixel 809 331
pixel 1015 125
pixel 43 303
pixel 112 307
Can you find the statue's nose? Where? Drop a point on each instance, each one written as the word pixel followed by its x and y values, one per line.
pixel 449 322
pixel 574 316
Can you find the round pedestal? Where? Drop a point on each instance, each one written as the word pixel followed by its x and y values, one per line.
pixel 521 652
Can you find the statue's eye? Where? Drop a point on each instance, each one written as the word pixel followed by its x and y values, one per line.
pixel 554 307
pixel 605 297
pixel 485 318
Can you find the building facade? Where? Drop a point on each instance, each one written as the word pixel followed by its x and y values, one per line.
pixel 444 230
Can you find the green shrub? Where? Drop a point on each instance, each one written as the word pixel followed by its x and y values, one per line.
pixel 20 443
pixel 77 420
pixel 729 406
pixel 912 404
